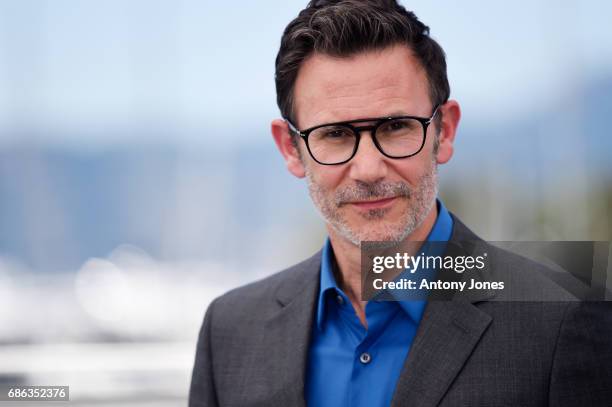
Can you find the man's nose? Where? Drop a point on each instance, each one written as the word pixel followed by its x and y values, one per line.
pixel 368 164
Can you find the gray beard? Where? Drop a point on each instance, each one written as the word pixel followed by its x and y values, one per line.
pixel 421 201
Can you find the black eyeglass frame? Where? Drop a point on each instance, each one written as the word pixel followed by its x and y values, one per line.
pixel 379 121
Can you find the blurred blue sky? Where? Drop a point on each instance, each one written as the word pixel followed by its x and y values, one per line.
pixel 147 123
pixel 76 68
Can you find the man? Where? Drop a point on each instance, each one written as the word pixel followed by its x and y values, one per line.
pixel 304 335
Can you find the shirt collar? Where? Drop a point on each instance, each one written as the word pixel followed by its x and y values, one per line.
pixel 440 232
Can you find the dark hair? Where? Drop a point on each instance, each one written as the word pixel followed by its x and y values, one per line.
pixel 342 28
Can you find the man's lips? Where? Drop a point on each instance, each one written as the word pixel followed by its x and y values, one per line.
pixel 374 204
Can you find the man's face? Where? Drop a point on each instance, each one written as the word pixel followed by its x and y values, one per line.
pixel 371 197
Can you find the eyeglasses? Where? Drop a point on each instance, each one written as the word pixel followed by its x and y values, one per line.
pixel 395 137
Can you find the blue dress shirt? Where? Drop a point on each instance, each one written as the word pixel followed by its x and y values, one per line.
pixel 349 365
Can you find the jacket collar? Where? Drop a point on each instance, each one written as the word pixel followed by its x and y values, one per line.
pixel 447 334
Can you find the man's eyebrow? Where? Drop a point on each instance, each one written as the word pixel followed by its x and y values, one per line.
pixel 395 113
pixel 398 113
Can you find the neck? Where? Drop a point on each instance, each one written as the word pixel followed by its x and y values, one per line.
pixel 348 257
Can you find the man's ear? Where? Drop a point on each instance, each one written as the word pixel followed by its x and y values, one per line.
pixel 280 132
pixel 451 113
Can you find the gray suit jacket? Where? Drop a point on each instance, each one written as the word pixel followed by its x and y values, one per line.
pixel 253 345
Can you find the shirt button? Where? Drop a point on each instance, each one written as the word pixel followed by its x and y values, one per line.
pixel 365 358
pixel 340 299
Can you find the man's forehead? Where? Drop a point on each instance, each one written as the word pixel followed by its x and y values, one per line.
pixel 331 72
pixel 330 88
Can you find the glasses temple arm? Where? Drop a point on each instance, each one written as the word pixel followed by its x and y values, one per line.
pixel 292 128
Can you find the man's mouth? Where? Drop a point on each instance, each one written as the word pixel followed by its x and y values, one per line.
pixel 374 204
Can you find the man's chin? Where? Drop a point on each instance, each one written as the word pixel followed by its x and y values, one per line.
pixel 389 228
pixel 386 238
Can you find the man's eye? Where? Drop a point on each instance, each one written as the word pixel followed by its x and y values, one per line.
pixel 397 125
pixel 338 133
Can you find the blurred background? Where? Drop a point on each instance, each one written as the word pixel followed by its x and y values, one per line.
pixel 138 177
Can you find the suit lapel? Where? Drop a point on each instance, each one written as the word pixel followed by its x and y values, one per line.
pixel 447 334
pixel 287 335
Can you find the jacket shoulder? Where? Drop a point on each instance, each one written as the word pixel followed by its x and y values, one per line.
pixel 525 279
